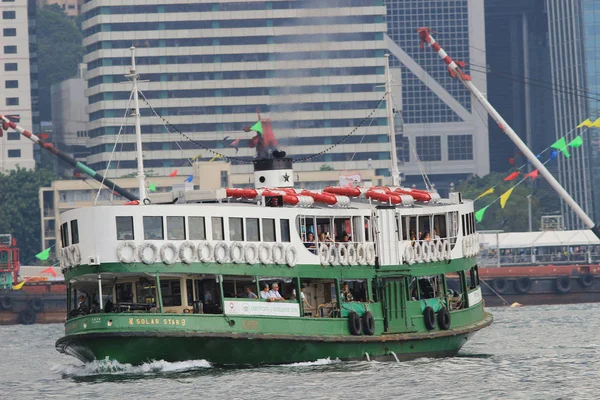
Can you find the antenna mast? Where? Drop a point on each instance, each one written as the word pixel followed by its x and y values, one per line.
pixel 455 72
pixel 134 76
pixel 390 116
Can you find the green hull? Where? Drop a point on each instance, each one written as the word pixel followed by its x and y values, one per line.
pixel 256 349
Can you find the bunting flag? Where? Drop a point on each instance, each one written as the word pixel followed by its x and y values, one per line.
pixel 43 255
pixel 533 174
pixel 215 157
pixel 236 145
pixel 577 142
pixel 152 187
pixel 512 176
pixel 480 212
pixel 489 191
pixel 189 178
pixel 596 123
pixel 553 155
pixel 505 196
pixel 587 123
pixel 511 161
pixel 561 145
pixel 49 270
pixel 257 127
pixel 195 157
pixel 173 174
pixel 20 285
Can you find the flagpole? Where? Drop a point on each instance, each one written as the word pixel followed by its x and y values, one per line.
pixel 138 130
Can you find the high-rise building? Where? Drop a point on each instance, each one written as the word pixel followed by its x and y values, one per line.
pixel 315 68
pixel 70 7
pixel 15 89
pixel 443 127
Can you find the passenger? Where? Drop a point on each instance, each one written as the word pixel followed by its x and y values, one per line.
pixel 346 294
pixel 273 294
pixel 310 241
pixel 435 235
pixel 82 308
pixel 264 294
pixel 324 238
pixel 345 238
pixel 303 298
pixel 426 237
pixel 249 293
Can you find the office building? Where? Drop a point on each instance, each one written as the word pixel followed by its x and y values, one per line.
pixel 15 100
pixel 312 67
pixel 70 7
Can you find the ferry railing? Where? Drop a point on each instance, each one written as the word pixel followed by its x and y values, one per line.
pixel 490 260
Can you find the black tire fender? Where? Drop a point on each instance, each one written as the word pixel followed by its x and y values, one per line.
pixel 563 284
pixel 499 285
pixel 444 319
pixel 354 324
pixel 36 304
pixel 368 323
pixel 523 284
pixel 6 303
pixel 429 317
pixel 27 317
pixel 586 280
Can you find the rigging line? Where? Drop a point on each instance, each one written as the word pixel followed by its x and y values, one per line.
pixel 110 199
pixel 363 137
pixel 420 166
pixel 125 117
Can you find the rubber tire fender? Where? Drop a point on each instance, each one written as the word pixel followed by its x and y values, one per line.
pixel 523 284
pixel 563 284
pixel 586 280
pixel 429 318
pixel 27 317
pixel 368 323
pixel 443 319
pixel 6 303
pixel 354 324
pixel 500 285
pixel 36 304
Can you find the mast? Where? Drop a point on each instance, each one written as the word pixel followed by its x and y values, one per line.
pixel 390 116
pixel 456 72
pixel 134 76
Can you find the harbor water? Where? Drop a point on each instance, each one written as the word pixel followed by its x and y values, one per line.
pixel 545 352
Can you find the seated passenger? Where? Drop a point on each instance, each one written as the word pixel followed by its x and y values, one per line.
pixel 82 308
pixel 310 241
pixel 324 238
pixel 303 298
pixel 264 294
pixel 346 294
pixel 274 293
pixel 249 293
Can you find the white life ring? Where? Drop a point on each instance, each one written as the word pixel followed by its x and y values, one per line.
pixel 343 254
pixel 334 255
pixel 324 254
pixel 291 256
pixel 163 253
pixel 61 262
pixel 361 254
pixel 264 253
pixel 418 252
pixel 221 256
pixel 351 254
pixel 426 251
pixel 251 253
pixel 236 252
pixel 64 261
pixel 370 254
pixel 120 256
pixel 439 250
pixel 465 246
pixel 447 250
pixel 148 260
pixel 471 247
pixel 432 251
pixel 76 254
pixel 184 254
pixel 409 255
pixel 205 251
pixel 279 254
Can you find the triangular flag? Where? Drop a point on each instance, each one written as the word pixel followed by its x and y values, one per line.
pixel 587 123
pixel 215 157
pixel 20 285
pixel 49 270
pixel 44 254
pixel 189 178
pixel 195 157
pixel 561 144
pixel 173 174
pixel 505 196
pixel 257 127
pixel 152 187
pixel 489 191
pixel 553 155
pixel 596 123
pixel 533 174
pixel 479 213
pixel 577 142
pixel 512 176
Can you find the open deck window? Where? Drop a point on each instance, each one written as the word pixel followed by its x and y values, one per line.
pixel 284 225
pixel 197 228
pixel 124 228
pixel 176 228
pixel 74 232
pixel 439 227
pixel 253 229
pixel 268 230
pixel 170 290
pixel 236 229
pixel 217 228
pixel 64 234
pixel 153 228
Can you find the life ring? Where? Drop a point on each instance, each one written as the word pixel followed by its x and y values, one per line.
pixel 447 250
pixel 370 254
pixel 264 253
pixel 418 252
pixel 426 252
pixel 205 251
pixel 6 303
pixel 409 254
pixel 251 253
pixel 351 254
pixel 163 253
pixel 499 285
pixel 324 254
pixel 439 250
pixel 361 254
pixel 148 260
pixel 126 260
pixel 221 256
pixel 429 318
pixel 563 284
pixel 291 256
pixel 279 254
pixel 334 255
pixel 27 317
pixel 586 280
pixel 354 324
pixel 61 259
pixel 368 323
pixel 465 246
pixel 236 252
pixel 183 253
pixel 36 304
pixel 75 255
pixel 343 252
pixel 443 319
pixel 523 284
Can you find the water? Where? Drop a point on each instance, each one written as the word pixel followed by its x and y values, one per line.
pixel 550 352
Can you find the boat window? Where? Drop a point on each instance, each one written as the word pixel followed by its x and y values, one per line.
pixel 176 228
pixel 268 225
pixel 236 229
pixel 208 296
pixel 197 228
pixel 153 228
pixel 399 234
pixel 374 291
pixel 286 287
pixel 473 278
pixel 235 287
pixel 124 292
pixel 64 234
pixel 145 291
pixel 252 229
pixel 356 290
pixel 456 288
pixel 412 228
pixel 124 228
pixel 464 224
pixel 321 298
pixel 357 229
pixel 284 225
pixel 170 290
pixel 74 232
pixel 439 226
pixel 343 228
pixel 217 228
pixel 368 236
pixel 324 225
pixel 424 226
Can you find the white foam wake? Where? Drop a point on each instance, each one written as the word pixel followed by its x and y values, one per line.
pixel 111 367
pixel 320 361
